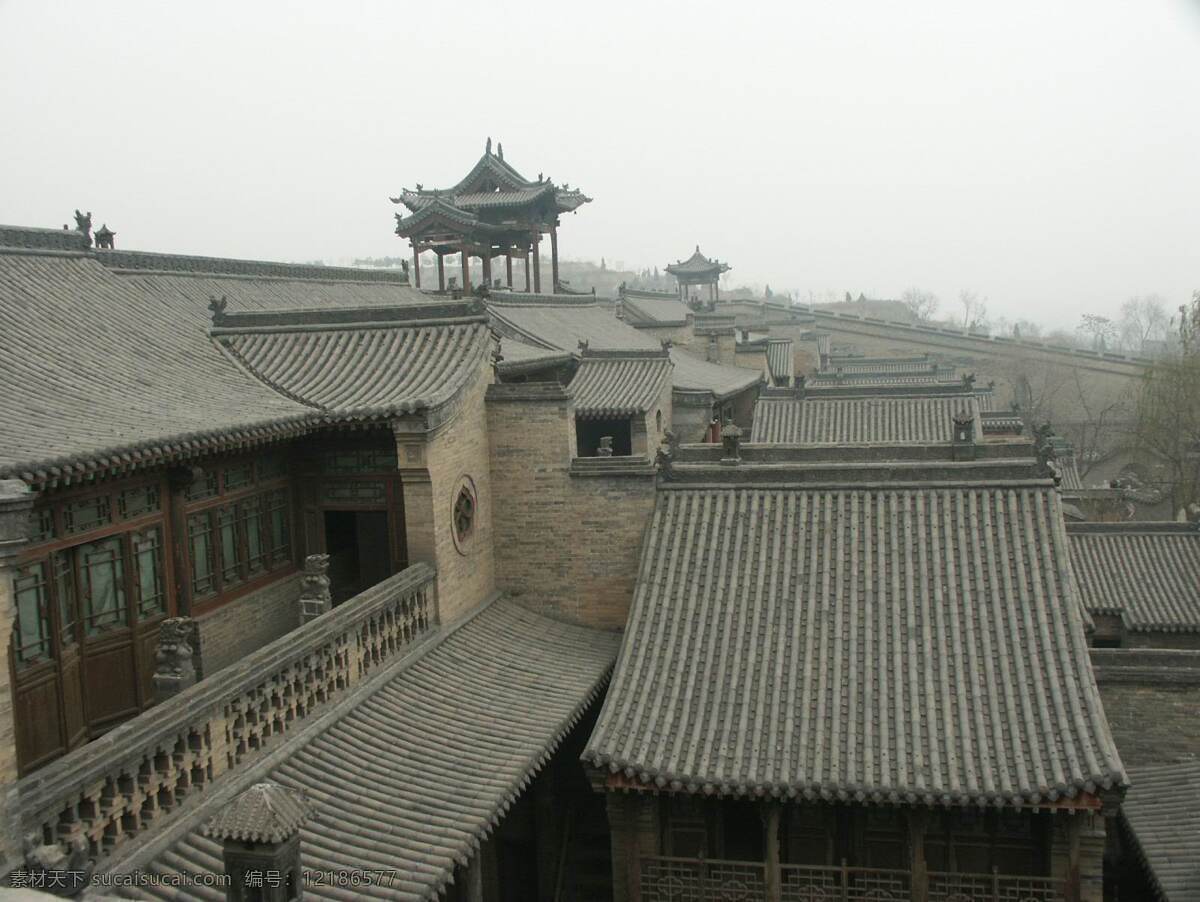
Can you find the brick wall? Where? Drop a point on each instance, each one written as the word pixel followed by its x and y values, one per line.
pixel 565 545
pixel 245 625
pixel 466 574
pixel 1152 699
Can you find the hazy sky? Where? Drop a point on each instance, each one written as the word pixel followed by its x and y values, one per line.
pixel 1045 154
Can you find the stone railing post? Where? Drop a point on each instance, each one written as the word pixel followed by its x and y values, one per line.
pixel 16 505
pixel 174 668
pixel 315 598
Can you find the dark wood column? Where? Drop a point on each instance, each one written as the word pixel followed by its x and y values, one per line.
pixel 554 256
pixel 770 816
pixel 717 289
pixel 487 266
pixel 528 283
pixel 466 268
pixel 508 265
pixel 537 264
pixel 441 271
pixel 416 265
pixel 918 825
pixel 1073 891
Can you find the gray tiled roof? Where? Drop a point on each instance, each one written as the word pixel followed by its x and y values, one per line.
pixel 1148 573
pixel 851 364
pixel 780 358
pixel 1162 814
pixel 565 325
pixel 832 377
pixel 895 644
pixel 619 385
pixel 665 310
pixel 94 368
pixel 849 421
pixel 105 359
pixel 418 774
pixel 266 812
pixel 697 264
pixel 363 371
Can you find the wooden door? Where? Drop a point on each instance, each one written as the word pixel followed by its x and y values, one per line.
pixel 110 677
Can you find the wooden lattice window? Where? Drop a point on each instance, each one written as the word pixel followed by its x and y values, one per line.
pixel 464 513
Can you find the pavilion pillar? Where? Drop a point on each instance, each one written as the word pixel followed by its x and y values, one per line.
pixel 537 264
pixel 508 266
pixel 441 271
pixel 717 289
pixel 416 265
pixel 770 816
pixel 466 268
pixel 528 284
pixel 918 826
pixel 487 266
pixel 554 256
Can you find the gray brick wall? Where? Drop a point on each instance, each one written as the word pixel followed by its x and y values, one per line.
pixel 243 626
pixel 1152 699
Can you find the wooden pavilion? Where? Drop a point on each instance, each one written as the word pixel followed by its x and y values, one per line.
pixel 493 211
pixel 698 270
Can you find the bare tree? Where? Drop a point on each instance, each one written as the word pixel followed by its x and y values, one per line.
pixel 1142 320
pixel 974 309
pixel 1101 429
pixel 1168 423
pixel 921 304
pixel 1099 332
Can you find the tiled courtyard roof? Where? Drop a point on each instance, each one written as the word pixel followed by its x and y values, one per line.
pixel 660 309
pixel 1162 814
pixel 619 384
pixel 847 421
pixel 693 374
pixel 901 645
pixel 414 777
pixel 853 365
pixel 362 369
pixel 780 358
pixel 1147 573
pixel 98 374
pixel 565 325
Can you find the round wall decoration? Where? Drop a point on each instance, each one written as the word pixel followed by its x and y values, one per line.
pixel 464 513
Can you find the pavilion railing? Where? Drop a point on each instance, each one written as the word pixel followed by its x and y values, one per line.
pixel 111 790
pixel 666 879
pixel 802 883
pixel 994 887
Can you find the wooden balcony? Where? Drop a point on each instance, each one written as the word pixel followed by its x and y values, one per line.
pixel 665 879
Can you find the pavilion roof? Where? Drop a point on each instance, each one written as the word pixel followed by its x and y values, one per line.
pixel 697 264
pixel 493 183
pixel 1146 573
pixel 898 643
pixel 414 777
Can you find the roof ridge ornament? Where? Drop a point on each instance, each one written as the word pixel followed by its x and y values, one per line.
pixel 488 147
pixel 217 307
pixel 83 224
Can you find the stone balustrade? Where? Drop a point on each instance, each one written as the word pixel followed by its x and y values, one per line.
pixel 111 790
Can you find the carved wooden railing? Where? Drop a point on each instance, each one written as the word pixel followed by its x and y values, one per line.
pixel 993 887
pixel 684 879
pixel 110 790
pixel 803 883
pixel 666 879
